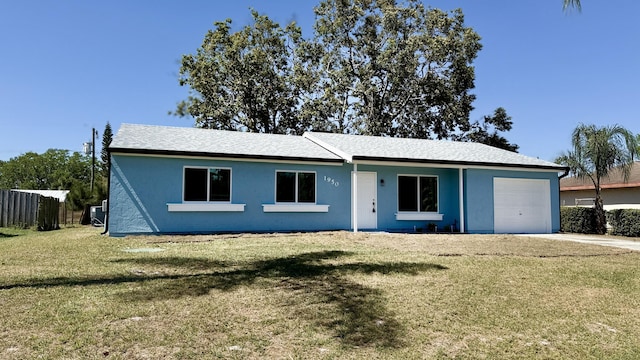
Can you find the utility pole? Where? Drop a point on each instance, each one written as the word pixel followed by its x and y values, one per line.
pixel 93 157
pixel 91 147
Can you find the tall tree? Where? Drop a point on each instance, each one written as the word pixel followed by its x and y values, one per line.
pixel 107 137
pixel 486 131
pixel 597 151
pixel 396 69
pixel 243 80
pixel 375 67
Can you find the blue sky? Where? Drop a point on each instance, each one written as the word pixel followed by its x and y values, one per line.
pixel 68 66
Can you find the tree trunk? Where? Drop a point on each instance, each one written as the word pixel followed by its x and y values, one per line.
pixel 601 220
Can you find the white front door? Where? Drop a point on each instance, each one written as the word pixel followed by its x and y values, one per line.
pixel 367 201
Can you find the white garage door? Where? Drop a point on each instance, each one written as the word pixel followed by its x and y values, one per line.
pixel 521 205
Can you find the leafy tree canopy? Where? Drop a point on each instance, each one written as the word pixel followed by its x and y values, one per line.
pixel 395 69
pixel 54 169
pixel 570 4
pixel 487 131
pixel 375 67
pixel 243 80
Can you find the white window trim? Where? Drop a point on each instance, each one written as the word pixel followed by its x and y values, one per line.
pixel 275 188
pixel 418 215
pixel 208 186
pixel 291 207
pixel 205 207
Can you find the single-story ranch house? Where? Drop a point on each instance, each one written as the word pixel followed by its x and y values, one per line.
pixel 615 191
pixel 190 180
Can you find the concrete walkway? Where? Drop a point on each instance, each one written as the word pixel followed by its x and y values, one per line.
pixel 592 239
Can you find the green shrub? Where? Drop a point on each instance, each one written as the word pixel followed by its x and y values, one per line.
pixel 578 220
pixel 624 222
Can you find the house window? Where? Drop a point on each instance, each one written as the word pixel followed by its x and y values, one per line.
pixel 207 184
pixel 417 193
pixel 295 187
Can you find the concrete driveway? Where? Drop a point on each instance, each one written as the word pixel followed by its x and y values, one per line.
pixel 592 239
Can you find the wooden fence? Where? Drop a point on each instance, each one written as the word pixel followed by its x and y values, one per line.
pixel 21 209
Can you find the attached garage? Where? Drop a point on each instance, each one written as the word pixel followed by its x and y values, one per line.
pixel 521 205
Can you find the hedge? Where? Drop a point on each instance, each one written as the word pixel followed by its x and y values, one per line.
pixel 578 220
pixel 624 222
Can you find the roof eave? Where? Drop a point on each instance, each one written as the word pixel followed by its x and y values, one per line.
pixel 156 152
pixel 602 186
pixel 457 163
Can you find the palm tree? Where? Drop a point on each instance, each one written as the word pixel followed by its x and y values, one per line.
pixel 597 151
pixel 572 4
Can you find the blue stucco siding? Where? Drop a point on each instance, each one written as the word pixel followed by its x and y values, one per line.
pixel 478 197
pixel 448 196
pixel 141 187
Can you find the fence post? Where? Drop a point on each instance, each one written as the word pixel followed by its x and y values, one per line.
pixel 42 215
pixel 34 212
pixel 27 210
pixel 3 207
pixel 16 210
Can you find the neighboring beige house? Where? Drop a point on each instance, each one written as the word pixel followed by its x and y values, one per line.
pixel 616 194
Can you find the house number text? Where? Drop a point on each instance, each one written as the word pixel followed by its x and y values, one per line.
pixel 332 181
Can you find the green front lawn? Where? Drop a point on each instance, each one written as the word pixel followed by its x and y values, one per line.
pixel 76 294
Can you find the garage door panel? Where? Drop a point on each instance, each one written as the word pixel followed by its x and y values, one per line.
pixel 522 205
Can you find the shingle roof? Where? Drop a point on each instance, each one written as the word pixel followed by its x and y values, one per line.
pixel 150 139
pixel 167 140
pixel 613 181
pixel 358 147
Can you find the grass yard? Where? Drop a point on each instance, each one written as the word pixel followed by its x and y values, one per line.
pixel 75 294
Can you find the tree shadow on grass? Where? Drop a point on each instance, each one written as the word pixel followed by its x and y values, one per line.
pixel 3 235
pixel 358 314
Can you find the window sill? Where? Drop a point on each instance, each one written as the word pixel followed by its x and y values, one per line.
pixel 186 207
pixel 419 216
pixel 295 208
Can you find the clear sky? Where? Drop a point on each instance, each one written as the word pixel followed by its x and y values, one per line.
pixel 68 66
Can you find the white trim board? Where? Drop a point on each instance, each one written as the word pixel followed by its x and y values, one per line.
pixel 299 208
pixel 417 216
pixel 452 166
pixel 228 158
pixel 201 207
